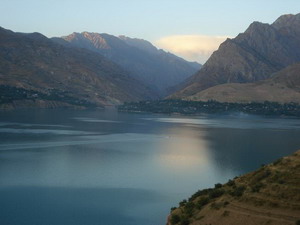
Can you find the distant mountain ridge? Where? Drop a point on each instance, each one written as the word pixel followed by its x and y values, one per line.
pixel 157 69
pixel 38 66
pixel 252 56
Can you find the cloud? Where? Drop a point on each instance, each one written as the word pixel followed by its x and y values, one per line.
pixel 191 47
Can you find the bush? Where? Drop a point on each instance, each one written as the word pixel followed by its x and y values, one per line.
pixel 185 221
pixel 189 207
pixel 261 174
pixel 216 193
pixel 182 203
pixel 257 187
pixel 175 219
pixel 230 183
pixel 200 193
pixel 277 162
pixel 218 185
pixel 202 202
pixel 239 191
pixel 173 208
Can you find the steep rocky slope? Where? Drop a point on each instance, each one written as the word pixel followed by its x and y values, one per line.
pixel 283 87
pixel 157 69
pixel 254 55
pixel 269 195
pixel 32 62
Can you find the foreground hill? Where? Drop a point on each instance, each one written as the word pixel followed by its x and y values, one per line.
pixel 36 70
pixel 283 87
pixel 269 195
pixel 254 55
pixel 157 69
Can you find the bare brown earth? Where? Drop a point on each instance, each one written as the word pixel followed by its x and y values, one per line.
pixel 283 87
pixel 271 195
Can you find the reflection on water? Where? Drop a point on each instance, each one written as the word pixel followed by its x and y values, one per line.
pixel 183 149
pixel 91 120
pixel 238 122
pixel 99 167
pixel 77 140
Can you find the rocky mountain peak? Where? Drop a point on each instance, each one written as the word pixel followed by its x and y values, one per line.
pixel 85 38
pixel 286 21
pixel 288 25
pixel 254 55
pixel 97 40
pixel 257 27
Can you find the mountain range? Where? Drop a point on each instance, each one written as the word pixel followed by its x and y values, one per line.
pixel 255 55
pixel 36 63
pixel 93 69
pixel 157 69
pixel 47 72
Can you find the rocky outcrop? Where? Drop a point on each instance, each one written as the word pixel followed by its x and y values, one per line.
pixel 254 55
pixel 155 68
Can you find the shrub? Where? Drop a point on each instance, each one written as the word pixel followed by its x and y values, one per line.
pixel 261 174
pixel 185 221
pixel 277 162
pixel 202 202
pixel 216 193
pixel 175 219
pixel 189 207
pixel 173 208
pixel 218 185
pixel 257 187
pixel 239 191
pixel 200 193
pixel 230 183
pixel 182 203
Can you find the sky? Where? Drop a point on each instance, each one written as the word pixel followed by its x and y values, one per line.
pixel 192 29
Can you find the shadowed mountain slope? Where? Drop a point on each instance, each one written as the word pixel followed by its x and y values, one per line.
pixel 157 69
pixel 32 62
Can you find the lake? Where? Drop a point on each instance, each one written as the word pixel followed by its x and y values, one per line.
pixel 92 167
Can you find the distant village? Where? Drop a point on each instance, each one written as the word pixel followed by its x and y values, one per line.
pixel 198 107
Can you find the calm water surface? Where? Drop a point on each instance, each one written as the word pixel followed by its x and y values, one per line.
pixel 67 167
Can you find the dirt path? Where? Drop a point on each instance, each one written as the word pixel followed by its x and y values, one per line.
pixel 262 213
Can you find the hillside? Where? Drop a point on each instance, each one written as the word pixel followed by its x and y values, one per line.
pixel 283 87
pixel 252 56
pixel 269 195
pixel 157 69
pixel 44 71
